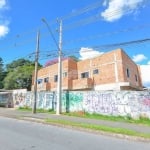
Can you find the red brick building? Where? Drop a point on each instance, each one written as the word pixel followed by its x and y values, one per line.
pixel 110 71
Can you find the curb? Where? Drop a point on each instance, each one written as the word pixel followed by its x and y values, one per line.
pixel 39 120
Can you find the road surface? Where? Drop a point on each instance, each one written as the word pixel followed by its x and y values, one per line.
pixel 25 135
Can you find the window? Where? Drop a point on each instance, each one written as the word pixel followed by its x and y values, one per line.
pixel 46 80
pixel 55 78
pixel 39 81
pixel 96 71
pixel 65 74
pixel 85 75
pixel 136 78
pixel 128 73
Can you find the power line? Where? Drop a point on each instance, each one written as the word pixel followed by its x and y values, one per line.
pixel 83 10
pixel 127 43
pixel 76 24
pixel 94 18
pixel 125 30
pixel 78 12
pixel 73 25
pixel 109 46
pixel 48 55
pixel 94 6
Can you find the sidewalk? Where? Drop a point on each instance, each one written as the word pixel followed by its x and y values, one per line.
pixel 14 113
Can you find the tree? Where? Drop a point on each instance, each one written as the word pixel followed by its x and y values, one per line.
pixel 2 73
pixel 17 63
pixel 19 74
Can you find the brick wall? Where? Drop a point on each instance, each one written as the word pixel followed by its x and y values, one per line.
pixel 111 69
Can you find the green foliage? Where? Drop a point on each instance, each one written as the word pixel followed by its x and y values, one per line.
pixel 2 73
pixel 98 128
pixel 128 118
pixel 25 108
pixel 39 110
pixel 17 63
pixel 19 75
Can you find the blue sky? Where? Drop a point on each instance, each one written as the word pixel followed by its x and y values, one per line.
pixel 87 27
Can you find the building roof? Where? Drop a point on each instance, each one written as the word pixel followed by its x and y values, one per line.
pixel 55 61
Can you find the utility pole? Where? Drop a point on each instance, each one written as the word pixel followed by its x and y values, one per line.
pixel 59 46
pixel 59 88
pixel 35 73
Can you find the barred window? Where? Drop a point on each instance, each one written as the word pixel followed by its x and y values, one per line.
pixel 85 75
pixel 65 74
pixel 55 78
pixel 128 73
pixel 96 71
pixel 39 81
pixel 46 80
pixel 136 78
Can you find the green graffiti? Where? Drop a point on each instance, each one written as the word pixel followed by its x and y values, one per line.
pixel 72 101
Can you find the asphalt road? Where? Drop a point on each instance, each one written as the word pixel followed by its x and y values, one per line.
pixel 25 135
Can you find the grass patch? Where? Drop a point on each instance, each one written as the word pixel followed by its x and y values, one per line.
pixel 128 119
pixel 99 128
pixel 37 110
pixel 25 108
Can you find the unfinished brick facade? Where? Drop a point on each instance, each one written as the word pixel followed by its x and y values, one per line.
pixel 110 71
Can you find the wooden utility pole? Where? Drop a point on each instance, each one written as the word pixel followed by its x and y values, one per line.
pixel 36 72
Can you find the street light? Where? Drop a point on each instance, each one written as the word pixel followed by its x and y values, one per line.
pixel 59 46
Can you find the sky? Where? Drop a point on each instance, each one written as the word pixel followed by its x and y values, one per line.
pixel 90 28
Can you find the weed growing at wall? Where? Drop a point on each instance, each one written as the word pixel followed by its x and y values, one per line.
pixel 41 110
pixel 127 119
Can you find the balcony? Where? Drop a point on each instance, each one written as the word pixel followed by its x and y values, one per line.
pixel 83 83
pixel 66 84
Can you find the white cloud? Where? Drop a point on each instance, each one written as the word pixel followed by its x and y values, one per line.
pixel 3 21
pixel 118 8
pixel 139 58
pixel 145 73
pixel 2 4
pixel 86 53
pixel 3 30
pixel 145 69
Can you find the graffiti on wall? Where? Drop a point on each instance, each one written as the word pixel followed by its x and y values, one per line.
pixel 45 100
pixel 133 103
pixel 50 101
pixel 117 103
pixel 99 103
pixel 28 101
pixel 72 101
pixel 19 97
